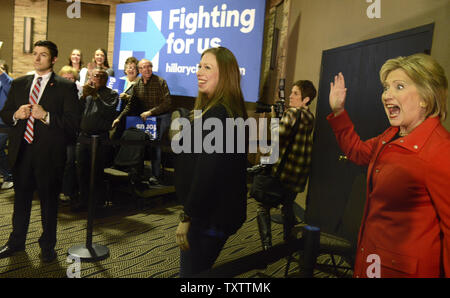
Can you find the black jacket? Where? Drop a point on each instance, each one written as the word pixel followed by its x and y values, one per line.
pixel 99 111
pixel 212 186
pixel 60 99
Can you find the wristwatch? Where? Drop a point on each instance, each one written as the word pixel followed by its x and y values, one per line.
pixel 184 217
pixel 45 119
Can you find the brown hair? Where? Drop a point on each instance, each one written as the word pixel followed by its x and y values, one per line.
pixel 131 60
pixel 105 63
pixel 307 89
pixel 228 90
pixel 429 78
pixel 51 46
pixel 81 58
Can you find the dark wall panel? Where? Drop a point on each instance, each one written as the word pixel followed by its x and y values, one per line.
pixel 86 33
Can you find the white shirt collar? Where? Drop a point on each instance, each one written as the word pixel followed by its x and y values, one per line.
pixel 45 77
pixel 44 81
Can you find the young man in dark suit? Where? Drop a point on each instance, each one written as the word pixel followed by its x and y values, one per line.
pixel 44 112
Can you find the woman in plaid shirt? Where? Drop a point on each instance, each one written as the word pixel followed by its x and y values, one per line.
pixel 297 167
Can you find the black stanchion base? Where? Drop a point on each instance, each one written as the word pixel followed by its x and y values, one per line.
pixel 89 254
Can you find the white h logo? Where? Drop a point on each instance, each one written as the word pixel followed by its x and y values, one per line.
pixel 128 24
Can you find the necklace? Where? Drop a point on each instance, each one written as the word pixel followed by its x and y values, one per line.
pixel 404 134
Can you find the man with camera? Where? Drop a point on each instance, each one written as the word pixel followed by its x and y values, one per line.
pixel 295 170
pixel 99 110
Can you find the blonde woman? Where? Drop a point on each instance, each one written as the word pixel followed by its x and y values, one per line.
pixel 70 73
pixel 406 221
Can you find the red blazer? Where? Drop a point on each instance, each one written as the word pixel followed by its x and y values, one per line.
pixel 406 220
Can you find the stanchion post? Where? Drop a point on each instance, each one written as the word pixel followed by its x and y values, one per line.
pixel 311 236
pixel 92 197
pixel 89 251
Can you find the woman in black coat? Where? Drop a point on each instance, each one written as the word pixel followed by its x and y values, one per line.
pixel 211 180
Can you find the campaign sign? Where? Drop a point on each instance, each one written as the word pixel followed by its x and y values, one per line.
pixel 173 35
pixel 117 84
pixel 149 125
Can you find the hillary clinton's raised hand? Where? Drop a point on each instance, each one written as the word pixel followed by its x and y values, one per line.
pixel 337 94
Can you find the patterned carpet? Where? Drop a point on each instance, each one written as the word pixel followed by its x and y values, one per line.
pixel 141 243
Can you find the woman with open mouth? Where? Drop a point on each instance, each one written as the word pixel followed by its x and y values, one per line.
pixel 405 229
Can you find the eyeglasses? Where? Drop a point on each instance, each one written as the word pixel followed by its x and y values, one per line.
pixel 99 76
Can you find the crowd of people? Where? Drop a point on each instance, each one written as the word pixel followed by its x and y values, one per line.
pixel 49 139
pixel 407 214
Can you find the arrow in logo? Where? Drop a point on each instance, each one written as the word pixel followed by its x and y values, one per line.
pixel 150 41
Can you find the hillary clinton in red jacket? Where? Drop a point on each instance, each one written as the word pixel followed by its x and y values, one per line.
pixel 406 221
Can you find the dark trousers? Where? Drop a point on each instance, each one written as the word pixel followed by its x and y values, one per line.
pixel 30 174
pixel 83 155
pixel 287 213
pixel 205 246
pixel 4 168
pixel 70 185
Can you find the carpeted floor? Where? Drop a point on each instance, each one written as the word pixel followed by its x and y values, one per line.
pixel 141 243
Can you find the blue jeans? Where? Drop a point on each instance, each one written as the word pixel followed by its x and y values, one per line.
pixel 205 245
pixel 4 168
pixel 163 123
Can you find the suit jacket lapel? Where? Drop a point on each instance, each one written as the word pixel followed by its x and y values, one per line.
pixel 28 89
pixel 48 89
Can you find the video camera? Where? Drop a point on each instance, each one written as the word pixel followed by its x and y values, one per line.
pixel 279 106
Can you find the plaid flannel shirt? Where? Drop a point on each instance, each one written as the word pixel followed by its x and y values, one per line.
pixel 154 96
pixel 296 170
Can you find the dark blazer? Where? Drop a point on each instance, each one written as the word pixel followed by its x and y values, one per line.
pixel 60 99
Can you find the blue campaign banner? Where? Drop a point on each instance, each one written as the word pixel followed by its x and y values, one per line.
pixel 117 84
pixel 149 125
pixel 174 33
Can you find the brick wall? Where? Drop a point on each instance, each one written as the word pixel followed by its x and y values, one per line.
pixel 38 9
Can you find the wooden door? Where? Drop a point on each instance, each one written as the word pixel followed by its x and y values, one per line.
pixel 87 33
